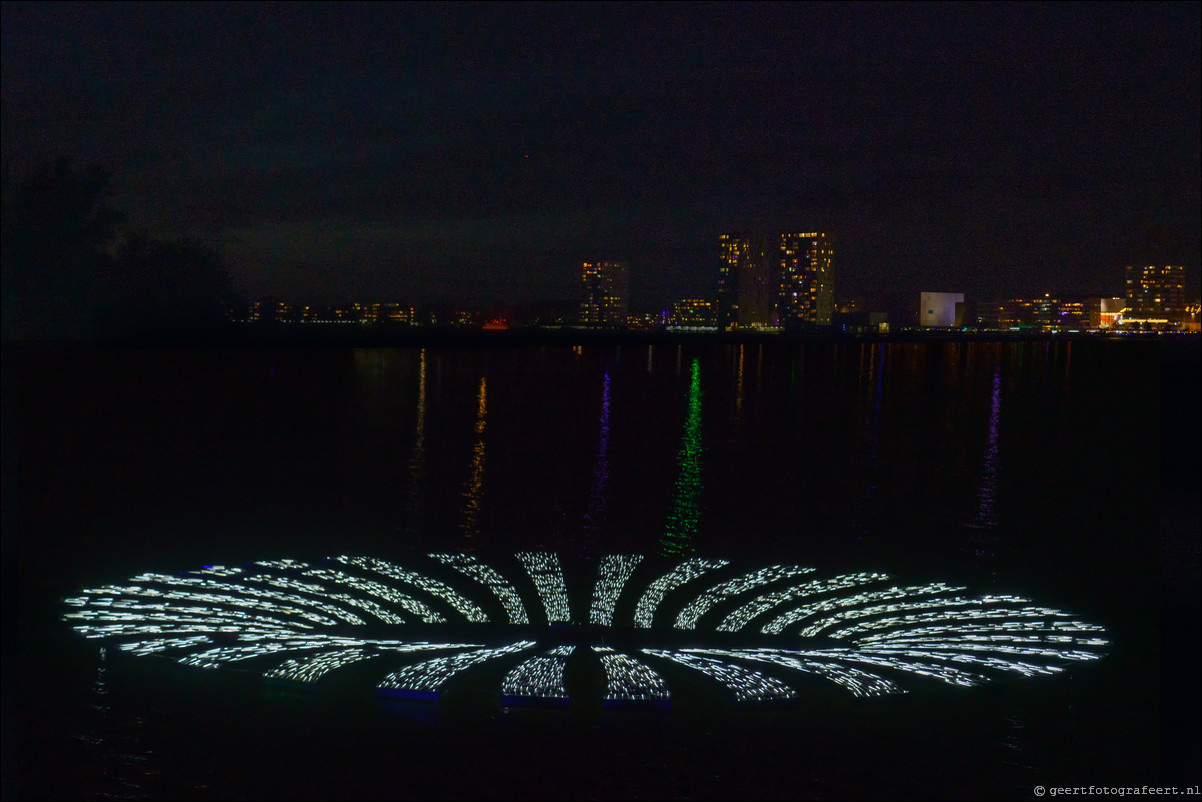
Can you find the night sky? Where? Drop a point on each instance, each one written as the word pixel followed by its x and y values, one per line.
pixel 478 153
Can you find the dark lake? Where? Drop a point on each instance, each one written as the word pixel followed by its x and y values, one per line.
pixel 1060 471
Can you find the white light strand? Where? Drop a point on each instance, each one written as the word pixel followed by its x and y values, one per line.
pixel 741 617
pixel 700 605
pixel 687 571
pixel 406 603
pixel 312 668
pixel 545 570
pixel 217 570
pixel 434 587
pixel 968 616
pixel 829 621
pixel 858 683
pixel 145 647
pixel 469 566
pixel 630 680
pixel 539 677
pixel 182 619
pixel 1036 649
pixel 308 587
pixel 431 675
pixel 200 590
pixel 778 624
pixel 1026 669
pixel 362 605
pixel 938 671
pixel 126 630
pixel 1038 631
pixel 216 658
pixel 228 589
pixel 612 575
pixel 743 683
pixel 336 577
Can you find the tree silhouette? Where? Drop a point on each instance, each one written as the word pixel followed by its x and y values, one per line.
pixel 58 227
pixel 72 272
pixel 160 286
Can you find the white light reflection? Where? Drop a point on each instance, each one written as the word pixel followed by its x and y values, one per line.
pixel 547 574
pixel 701 604
pixel 687 571
pixel 612 575
pixel 539 677
pixel 468 565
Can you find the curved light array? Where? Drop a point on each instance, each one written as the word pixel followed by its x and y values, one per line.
pixel 759 636
pixel 539 677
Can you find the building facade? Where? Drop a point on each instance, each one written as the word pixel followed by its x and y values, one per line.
pixel 938 309
pixel 692 313
pixel 606 294
pixel 773 281
pixel 1109 313
pixel 1155 296
pixel 807 291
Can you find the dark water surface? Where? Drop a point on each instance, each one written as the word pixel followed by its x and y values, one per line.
pixel 1030 468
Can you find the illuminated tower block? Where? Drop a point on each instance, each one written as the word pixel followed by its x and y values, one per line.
pixel 1155 294
pixel 807 283
pixel 779 280
pixel 606 294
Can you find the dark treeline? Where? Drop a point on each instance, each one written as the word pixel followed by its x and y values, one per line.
pixel 74 270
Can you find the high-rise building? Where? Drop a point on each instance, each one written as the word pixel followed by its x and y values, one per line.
pixel 807 284
pixel 606 294
pixel 692 313
pixel 1155 295
pixel 747 282
pixel 782 280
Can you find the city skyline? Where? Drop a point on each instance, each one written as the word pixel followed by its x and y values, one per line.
pixel 481 153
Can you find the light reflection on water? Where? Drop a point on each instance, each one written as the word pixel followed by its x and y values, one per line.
pixel 686 513
pixel 417 460
pixel 474 490
pixel 985 439
pixel 986 522
pixel 594 520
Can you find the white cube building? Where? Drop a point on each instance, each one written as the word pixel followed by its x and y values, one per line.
pixel 938 309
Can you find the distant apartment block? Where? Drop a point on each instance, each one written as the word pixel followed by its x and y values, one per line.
pixel 645 321
pixel 1155 296
pixel 693 313
pixel 807 290
pixel 606 294
pixel 769 281
pixel 269 310
pixel 1041 313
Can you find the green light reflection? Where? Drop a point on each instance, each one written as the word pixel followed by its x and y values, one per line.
pixel 686 511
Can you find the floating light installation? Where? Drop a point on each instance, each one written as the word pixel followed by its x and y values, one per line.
pixel 629 680
pixel 296 621
pixel 612 575
pixel 685 572
pixel 702 603
pixel 778 624
pixel 432 675
pixel 547 574
pixel 743 683
pixel 441 590
pixel 488 576
pixel 539 677
pixel 742 616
